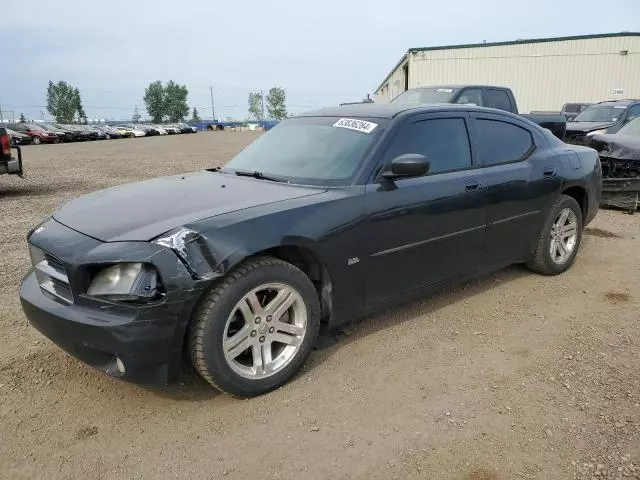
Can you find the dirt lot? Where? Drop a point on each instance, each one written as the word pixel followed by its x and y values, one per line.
pixel 511 376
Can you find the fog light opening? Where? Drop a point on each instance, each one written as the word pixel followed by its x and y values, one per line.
pixel 120 366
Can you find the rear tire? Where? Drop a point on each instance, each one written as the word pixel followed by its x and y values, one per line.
pixel 559 238
pixel 36 140
pixel 254 330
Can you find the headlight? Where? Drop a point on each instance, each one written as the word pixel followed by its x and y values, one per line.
pixel 125 282
pixel 192 249
pixel 597 132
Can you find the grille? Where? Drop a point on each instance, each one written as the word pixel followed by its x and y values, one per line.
pixel 51 274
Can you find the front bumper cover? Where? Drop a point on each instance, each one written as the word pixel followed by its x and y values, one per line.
pixel 148 339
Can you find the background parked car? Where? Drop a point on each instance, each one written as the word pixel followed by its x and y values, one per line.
pixel 63 135
pixel 172 129
pixel 572 110
pixel 79 135
pixel 130 131
pixel 36 132
pixel 17 138
pixel 186 128
pixel 603 117
pixel 111 133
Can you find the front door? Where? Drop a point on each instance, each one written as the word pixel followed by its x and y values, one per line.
pixel 424 230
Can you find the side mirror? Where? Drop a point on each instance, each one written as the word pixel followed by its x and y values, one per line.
pixel 407 165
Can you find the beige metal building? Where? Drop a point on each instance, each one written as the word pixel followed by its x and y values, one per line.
pixel 543 73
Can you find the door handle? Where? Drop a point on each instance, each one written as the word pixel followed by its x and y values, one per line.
pixel 473 185
pixel 549 171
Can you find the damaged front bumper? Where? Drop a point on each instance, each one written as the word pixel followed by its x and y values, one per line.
pixel 621 193
pixel 141 343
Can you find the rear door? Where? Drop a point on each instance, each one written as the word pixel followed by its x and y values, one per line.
pixel 521 180
pixel 421 231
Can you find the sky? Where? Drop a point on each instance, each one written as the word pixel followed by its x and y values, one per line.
pixel 321 53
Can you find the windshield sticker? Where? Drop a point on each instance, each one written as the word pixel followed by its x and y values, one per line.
pixel 357 125
pixel 444 90
pixel 614 119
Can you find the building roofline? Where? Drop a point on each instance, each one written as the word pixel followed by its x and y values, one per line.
pixel 404 57
pixel 512 42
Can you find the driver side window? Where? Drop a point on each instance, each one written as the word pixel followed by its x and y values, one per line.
pixel 633 112
pixel 444 141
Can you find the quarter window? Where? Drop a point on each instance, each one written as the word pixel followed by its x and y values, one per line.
pixel 501 142
pixel 444 141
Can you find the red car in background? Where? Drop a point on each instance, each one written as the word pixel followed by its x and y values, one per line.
pixel 37 133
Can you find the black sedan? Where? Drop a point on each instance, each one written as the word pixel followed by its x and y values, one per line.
pixel 18 138
pixel 603 117
pixel 327 217
pixel 63 135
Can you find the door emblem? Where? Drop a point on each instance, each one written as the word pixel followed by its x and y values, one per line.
pixel 352 261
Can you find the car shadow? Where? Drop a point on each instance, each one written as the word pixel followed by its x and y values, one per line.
pixel 330 341
pixel 191 387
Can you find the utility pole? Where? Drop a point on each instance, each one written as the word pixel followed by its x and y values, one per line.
pixel 1 112
pixel 213 112
pixel 262 100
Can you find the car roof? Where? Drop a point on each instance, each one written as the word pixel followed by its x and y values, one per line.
pixel 391 110
pixel 626 101
pixel 457 87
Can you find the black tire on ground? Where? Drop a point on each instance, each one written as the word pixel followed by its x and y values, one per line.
pixel 542 262
pixel 207 328
pixel 36 140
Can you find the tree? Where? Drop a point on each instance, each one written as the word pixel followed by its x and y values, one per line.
pixel 255 106
pixel 155 100
pixel 64 103
pixel 176 107
pixel 22 119
pixel 135 118
pixel 195 118
pixel 276 107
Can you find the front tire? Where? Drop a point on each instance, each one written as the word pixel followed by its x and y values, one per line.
pixel 254 330
pixel 36 140
pixel 559 239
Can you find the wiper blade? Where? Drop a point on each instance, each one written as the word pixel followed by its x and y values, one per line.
pixel 258 175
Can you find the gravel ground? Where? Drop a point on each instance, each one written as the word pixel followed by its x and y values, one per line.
pixel 511 376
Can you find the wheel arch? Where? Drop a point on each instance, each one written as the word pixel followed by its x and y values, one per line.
pixel 307 260
pixel 580 195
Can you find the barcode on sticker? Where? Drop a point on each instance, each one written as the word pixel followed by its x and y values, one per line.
pixel 357 125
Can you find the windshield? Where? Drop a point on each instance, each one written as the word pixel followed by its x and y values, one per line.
pixel 632 128
pixel 311 150
pixel 601 113
pixel 426 95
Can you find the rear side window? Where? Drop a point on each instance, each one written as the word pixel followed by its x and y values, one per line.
pixel 501 142
pixel 496 99
pixel 444 141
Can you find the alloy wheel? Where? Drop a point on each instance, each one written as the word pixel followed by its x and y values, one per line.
pixel 265 330
pixel 564 235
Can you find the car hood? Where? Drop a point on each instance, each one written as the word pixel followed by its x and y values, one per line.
pixel 143 210
pixel 587 126
pixel 622 147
